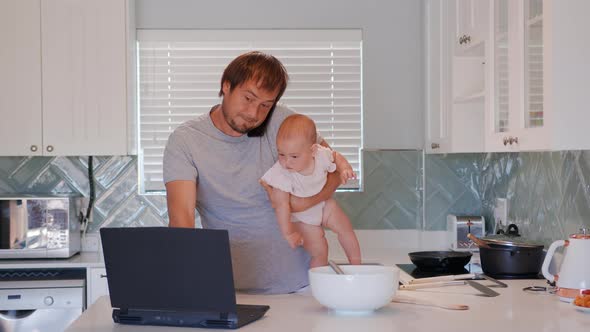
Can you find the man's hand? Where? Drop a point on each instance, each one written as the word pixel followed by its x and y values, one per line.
pixel 269 192
pixel 343 167
pixel 295 239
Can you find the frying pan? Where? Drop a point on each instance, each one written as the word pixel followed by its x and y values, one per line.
pixel 440 260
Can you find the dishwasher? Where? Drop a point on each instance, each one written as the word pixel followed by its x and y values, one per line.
pixel 40 300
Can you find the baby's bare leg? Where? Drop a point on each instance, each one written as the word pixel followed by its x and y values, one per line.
pixel 335 219
pixel 314 242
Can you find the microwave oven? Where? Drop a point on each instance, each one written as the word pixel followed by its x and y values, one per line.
pixel 39 227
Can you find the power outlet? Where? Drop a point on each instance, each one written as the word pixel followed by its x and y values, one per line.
pixel 91 242
pixel 501 212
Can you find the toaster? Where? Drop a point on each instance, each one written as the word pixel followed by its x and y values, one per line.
pixel 459 226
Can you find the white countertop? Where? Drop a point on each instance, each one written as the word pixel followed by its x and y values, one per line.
pixel 514 310
pixel 84 259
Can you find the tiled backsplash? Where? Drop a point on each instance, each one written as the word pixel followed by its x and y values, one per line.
pixel 548 192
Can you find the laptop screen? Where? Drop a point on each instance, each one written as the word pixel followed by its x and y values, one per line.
pixel 176 269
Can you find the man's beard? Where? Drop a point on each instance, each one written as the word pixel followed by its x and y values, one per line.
pixel 234 126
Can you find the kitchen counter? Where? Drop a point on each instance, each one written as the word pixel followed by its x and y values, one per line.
pixel 514 310
pixel 80 260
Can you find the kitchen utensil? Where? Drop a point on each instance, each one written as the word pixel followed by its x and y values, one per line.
pixel 497 282
pixel 510 239
pixel 574 273
pixel 511 262
pixel 458 277
pixel 399 299
pixel 440 260
pixel 432 284
pixel 510 255
pixel 362 289
pixel 335 267
pixel 442 278
pixel 477 241
pixel 485 290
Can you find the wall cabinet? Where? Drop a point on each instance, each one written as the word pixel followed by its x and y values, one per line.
pixel 65 84
pixel 97 285
pixel 519 88
pixel 455 80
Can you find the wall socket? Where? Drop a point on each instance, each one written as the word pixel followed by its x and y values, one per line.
pixel 501 213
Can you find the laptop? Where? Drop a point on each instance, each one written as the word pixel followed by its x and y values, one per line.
pixel 173 277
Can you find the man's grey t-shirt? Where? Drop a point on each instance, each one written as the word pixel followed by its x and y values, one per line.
pixel 226 170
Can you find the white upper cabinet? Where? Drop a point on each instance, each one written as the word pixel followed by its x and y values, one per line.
pixel 456 77
pixel 20 78
pixel 471 23
pixel 82 60
pixel 439 42
pixel 516 117
pixel 524 85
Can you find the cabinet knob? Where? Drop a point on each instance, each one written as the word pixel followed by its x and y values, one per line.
pixel 505 141
pixel 434 146
pixel 49 148
pixel 34 148
pixel 513 140
pixel 467 39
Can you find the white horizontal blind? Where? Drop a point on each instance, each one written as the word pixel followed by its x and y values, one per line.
pixel 180 73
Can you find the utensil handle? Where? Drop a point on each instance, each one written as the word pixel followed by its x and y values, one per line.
pixel 335 267
pixel 479 242
pixel 399 299
pixel 442 278
pixel 432 285
pixel 545 268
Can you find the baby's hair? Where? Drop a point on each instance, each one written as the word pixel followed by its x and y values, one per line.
pixel 298 125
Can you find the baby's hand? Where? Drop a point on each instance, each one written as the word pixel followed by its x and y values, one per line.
pixel 346 173
pixel 295 239
pixel 343 167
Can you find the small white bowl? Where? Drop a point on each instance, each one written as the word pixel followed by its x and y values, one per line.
pixel 361 290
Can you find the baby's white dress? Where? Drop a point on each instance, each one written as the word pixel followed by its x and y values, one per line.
pixel 304 185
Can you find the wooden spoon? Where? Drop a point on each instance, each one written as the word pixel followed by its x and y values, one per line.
pixel 399 299
pixel 479 242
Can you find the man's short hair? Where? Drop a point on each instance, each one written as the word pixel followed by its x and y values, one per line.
pixel 268 73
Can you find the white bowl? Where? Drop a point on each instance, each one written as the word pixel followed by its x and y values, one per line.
pixel 362 289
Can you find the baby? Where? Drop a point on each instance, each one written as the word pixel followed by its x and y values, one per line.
pixel 302 170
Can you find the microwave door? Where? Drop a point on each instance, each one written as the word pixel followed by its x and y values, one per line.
pixel 13 231
pixel 38 219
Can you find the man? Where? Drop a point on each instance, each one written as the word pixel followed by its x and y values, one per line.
pixel 214 162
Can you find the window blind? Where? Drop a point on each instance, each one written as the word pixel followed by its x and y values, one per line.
pixel 180 73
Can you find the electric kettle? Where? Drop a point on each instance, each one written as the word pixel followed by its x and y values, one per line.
pixel 574 273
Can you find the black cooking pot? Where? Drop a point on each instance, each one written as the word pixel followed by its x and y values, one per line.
pixel 517 262
pixel 440 260
pixel 511 255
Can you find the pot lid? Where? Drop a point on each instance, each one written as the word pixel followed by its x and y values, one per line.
pixel 511 241
pixel 584 234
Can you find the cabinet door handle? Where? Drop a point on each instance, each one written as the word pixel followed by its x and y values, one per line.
pixel 34 148
pixel 505 141
pixel 434 146
pixel 49 148
pixel 513 140
pixel 103 275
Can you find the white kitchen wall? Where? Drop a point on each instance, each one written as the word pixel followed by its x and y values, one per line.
pixel 393 51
